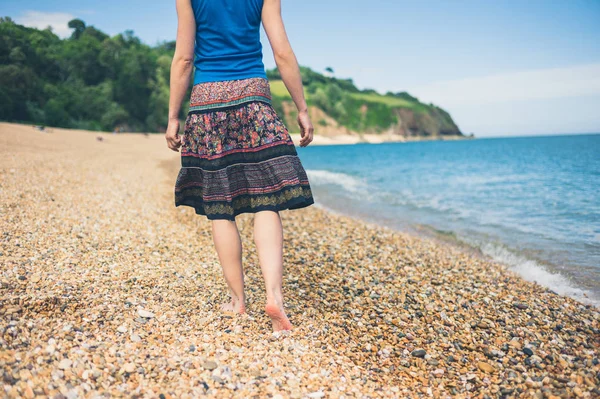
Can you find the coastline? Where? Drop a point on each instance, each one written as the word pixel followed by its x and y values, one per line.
pixel 345 139
pixel 92 237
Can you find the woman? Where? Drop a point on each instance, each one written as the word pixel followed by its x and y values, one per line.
pixel 236 154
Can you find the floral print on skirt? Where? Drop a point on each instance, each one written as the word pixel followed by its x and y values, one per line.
pixel 237 155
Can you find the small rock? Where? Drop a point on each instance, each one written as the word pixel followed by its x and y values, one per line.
pixel 36 278
pixel 485 367
pixel 318 394
pixel 146 314
pixel 529 382
pixel 535 359
pixel 65 364
pixel 210 365
pixel 419 353
pixel 29 393
pixel 527 351
pixel 135 338
pixel 122 329
pixel 129 367
pixel 255 372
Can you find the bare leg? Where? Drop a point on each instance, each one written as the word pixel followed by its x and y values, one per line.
pixel 229 248
pixel 268 237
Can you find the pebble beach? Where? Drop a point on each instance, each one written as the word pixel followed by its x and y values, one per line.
pixel 108 290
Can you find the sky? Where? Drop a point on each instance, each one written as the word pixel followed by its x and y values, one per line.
pixel 501 68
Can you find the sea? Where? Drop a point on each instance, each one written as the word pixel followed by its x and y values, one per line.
pixel 530 203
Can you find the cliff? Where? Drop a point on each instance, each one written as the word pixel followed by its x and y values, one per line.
pixel 338 107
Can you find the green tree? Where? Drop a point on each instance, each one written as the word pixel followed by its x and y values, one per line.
pixel 78 27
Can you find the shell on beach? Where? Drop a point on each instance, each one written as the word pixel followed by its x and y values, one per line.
pixel 108 290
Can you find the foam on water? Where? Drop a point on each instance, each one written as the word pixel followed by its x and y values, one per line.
pixel 533 271
pixel 350 183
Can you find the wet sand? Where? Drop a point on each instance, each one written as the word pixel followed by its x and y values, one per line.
pixel 108 290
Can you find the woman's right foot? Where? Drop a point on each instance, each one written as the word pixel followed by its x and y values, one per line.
pixel 278 318
pixel 233 307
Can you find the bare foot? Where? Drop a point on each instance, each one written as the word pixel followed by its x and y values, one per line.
pixel 278 318
pixel 233 307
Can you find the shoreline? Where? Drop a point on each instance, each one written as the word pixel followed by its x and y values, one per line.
pixel 107 288
pixel 348 139
pixel 318 139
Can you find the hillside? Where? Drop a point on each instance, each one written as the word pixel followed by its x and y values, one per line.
pixel 93 81
pixel 337 106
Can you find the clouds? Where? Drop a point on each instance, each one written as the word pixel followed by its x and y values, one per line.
pixel 535 101
pixel 536 84
pixel 37 19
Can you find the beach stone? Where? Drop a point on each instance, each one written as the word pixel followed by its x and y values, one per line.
pixel 122 329
pixel 528 351
pixel 486 367
pixel 535 359
pixel 129 367
pixel 135 338
pixel 210 365
pixel 145 314
pixel 515 344
pixel 65 364
pixel 318 394
pixel 418 353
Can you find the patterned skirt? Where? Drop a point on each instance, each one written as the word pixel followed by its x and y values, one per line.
pixel 236 155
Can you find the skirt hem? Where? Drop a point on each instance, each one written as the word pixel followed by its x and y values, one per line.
pixel 302 203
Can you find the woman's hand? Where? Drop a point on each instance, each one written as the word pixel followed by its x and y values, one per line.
pixel 306 128
pixel 172 135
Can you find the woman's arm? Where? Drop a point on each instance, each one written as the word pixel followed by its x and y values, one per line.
pixel 181 69
pixel 287 65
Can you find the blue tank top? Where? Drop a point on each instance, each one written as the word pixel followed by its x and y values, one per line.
pixel 227 40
